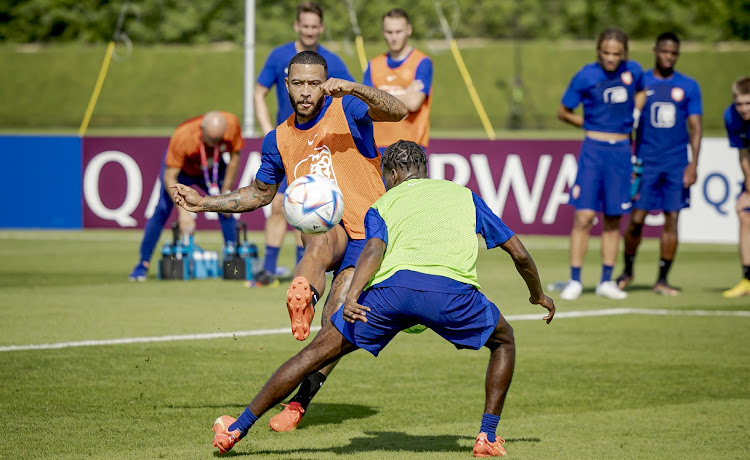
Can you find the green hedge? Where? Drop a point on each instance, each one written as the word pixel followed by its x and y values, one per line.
pixel 186 21
pixel 47 88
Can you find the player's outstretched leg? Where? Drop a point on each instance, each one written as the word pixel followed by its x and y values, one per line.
pixel 322 252
pixel 300 302
pixel 327 347
pixel 289 418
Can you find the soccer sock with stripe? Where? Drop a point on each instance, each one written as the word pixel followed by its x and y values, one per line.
pixel 308 388
pixel 489 426
pixel 243 423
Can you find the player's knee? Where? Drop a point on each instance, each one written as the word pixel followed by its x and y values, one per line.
pixel 636 229
pixel 502 335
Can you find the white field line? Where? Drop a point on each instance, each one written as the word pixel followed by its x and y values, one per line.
pixel 215 238
pixel 225 335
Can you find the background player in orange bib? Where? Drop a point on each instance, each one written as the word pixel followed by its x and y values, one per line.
pixel 406 73
pixel 330 133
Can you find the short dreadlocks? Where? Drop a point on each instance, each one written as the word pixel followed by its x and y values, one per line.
pixel 404 155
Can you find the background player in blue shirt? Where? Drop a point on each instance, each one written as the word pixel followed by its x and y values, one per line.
pixel 737 122
pixel 308 25
pixel 670 120
pixel 455 310
pixel 606 89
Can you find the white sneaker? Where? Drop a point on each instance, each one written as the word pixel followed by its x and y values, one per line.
pixel 572 290
pixel 610 290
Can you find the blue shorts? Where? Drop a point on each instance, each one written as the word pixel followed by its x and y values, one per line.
pixel 661 189
pixel 603 180
pixel 353 250
pixel 464 319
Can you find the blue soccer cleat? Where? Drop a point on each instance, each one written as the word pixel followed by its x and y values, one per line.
pixel 139 273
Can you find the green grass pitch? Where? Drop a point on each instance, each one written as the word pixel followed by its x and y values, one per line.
pixel 668 386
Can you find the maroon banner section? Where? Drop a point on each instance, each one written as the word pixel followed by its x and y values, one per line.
pixel 121 182
pixel 525 182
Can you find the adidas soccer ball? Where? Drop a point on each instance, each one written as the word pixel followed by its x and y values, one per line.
pixel 313 204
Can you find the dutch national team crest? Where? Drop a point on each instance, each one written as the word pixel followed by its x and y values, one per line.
pixel 320 163
pixel 678 94
pixel 627 78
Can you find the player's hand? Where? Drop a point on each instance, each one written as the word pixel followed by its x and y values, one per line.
pixel 354 312
pixel 415 86
pixel 690 175
pixel 547 303
pixel 187 197
pixel 336 87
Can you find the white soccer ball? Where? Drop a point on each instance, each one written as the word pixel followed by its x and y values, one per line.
pixel 313 204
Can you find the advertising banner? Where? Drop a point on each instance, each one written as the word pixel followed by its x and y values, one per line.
pixel 42 174
pixel 525 182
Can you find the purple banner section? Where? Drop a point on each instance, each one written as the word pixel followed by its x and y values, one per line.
pixel 121 182
pixel 525 182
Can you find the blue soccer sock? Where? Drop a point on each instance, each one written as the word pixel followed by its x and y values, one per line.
pixel 575 273
pixel 271 257
pixel 244 423
pixel 606 273
pixel 489 426
pixel 300 253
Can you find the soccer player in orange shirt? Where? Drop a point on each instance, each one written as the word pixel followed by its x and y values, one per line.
pixel 330 134
pixel 406 73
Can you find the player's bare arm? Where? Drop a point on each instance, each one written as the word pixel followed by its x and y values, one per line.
pixel 695 132
pixel 383 106
pixel 231 172
pixel 527 269
pixel 569 116
pixel 413 97
pixel 254 196
pixel 262 113
pixel 745 165
pixel 170 178
pixel 368 265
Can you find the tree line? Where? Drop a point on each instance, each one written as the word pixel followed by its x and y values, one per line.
pixel 190 22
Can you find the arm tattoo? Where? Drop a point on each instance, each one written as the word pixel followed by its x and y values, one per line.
pixel 383 106
pixel 246 199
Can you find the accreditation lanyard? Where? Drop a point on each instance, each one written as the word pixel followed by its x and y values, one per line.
pixel 213 185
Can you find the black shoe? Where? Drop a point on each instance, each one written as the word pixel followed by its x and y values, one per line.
pixel 265 278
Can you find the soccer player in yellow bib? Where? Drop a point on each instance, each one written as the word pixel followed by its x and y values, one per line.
pixel 418 266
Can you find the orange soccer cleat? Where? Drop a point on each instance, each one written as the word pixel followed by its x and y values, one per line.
pixel 223 438
pixel 484 448
pixel 299 304
pixel 288 419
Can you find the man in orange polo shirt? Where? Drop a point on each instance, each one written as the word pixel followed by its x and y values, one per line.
pixel 406 73
pixel 330 133
pixel 203 151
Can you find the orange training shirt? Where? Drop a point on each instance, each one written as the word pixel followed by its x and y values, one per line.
pixel 328 149
pixel 416 126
